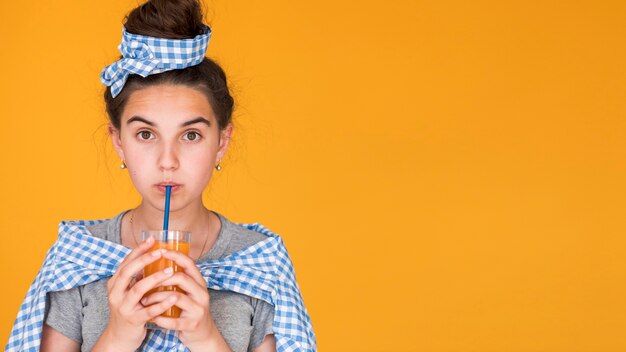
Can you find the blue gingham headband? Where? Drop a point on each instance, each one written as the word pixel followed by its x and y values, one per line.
pixel 144 55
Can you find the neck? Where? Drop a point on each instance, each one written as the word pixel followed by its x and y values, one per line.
pixel 204 225
pixel 194 218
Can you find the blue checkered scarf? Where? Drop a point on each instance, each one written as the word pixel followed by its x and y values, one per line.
pixel 263 270
pixel 144 55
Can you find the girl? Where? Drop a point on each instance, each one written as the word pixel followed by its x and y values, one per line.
pixel 170 123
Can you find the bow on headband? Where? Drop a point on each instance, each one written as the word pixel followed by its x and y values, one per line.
pixel 144 55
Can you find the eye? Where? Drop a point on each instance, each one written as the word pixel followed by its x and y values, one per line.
pixel 192 136
pixel 144 135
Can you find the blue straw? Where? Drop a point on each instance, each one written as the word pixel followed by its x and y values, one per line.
pixel 166 216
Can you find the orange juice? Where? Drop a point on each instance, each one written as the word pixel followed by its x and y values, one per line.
pixel 160 265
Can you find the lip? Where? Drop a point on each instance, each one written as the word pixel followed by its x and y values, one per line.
pixel 161 186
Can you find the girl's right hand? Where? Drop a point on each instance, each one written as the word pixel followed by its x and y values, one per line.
pixel 127 316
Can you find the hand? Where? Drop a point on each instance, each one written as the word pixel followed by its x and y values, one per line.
pixel 195 325
pixel 127 319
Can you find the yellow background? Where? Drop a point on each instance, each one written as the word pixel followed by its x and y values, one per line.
pixel 447 175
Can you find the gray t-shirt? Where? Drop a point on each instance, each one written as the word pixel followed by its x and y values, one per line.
pixel 82 313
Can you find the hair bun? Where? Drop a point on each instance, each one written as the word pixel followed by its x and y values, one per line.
pixel 174 19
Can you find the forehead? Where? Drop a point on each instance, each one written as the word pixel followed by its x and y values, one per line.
pixel 167 104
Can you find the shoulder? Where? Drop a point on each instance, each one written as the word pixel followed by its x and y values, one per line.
pixel 240 235
pixel 106 229
pixel 99 230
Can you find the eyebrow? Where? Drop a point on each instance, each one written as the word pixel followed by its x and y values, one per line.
pixel 187 123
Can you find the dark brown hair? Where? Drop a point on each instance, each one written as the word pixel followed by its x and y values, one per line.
pixel 175 19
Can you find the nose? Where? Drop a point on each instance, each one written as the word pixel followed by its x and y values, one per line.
pixel 168 158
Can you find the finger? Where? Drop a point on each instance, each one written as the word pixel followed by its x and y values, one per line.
pixel 183 302
pixel 157 309
pixel 125 274
pixel 169 323
pixel 142 287
pixel 189 306
pixel 155 297
pixel 190 286
pixel 141 248
pixel 137 251
pixel 135 278
pixel 191 313
pixel 187 264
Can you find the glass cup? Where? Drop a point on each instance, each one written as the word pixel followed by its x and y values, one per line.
pixel 171 240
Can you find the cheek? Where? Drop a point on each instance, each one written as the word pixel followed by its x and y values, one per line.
pixel 138 162
pixel 200 165
pixel 137 175
pixel 201 160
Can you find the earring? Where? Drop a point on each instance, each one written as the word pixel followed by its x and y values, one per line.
pixel 123 166
pixel 218 167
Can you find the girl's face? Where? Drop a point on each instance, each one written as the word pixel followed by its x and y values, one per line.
pixel 169 135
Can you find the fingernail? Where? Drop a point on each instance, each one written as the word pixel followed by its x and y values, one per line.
pixel 144 300
pixel 149 240
pixel 172 299
pixel 168 270
pixel 156 254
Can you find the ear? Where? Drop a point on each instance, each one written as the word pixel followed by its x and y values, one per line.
pixel 114 133
pixel 225 136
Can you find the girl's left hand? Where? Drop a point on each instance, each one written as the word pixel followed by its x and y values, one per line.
pixel 195 325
